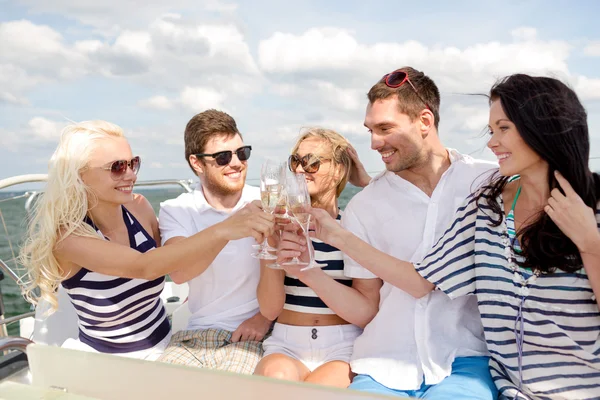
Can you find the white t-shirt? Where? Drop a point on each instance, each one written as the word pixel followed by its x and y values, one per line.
pixel 224 295
pixel 413 339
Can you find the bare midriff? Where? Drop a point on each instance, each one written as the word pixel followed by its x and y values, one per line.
pixel 289 317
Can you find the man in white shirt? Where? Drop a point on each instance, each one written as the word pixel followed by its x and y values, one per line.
pixel 432 347
pixel 225 329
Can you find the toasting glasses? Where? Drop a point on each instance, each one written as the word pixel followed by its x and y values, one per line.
pixel 298 206
pixel 271 185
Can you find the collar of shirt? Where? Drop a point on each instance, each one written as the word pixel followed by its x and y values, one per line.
pixel 455 156
pixel 249 194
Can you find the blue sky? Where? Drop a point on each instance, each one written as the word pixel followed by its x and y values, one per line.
pixel 275 66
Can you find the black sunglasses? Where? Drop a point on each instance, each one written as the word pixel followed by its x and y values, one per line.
pixel 224 157
pixel 310 163
pixel 119 168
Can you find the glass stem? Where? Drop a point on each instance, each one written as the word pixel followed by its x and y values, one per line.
pixel 265 244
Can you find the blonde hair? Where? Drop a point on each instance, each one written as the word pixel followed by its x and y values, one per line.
pixel 61 209
pixel 336 152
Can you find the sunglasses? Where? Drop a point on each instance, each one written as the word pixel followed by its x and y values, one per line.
pixel 119 168
pixel 310 163
pixel 224 157
pixel 398 78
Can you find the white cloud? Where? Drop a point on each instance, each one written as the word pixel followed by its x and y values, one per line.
pixel 592 49
pixel 40 49
pixel 524 33
pixel 274 83
pixel 44 129
pixel 110 16
pixel 587 88
pixel 32 55
pixel 338 98
pixel 7 97
pixel 9 141
pixel 38 132
pixel 213 5
pixel 459 117
pixel 157 103
pixel 171 52
pixel 337 56
pixel 317 48
pixel 201 98
pixel 194 98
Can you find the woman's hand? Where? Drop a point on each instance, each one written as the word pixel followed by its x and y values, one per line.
pixel 291 244
pixel 358 175
pixel 573 217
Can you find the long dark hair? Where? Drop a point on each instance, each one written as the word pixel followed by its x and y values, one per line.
pixel 552 121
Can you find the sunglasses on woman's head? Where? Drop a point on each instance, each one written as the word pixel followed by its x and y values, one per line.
pixel 310 163
pixel 224 157
pixel 119 168
pixel 398 78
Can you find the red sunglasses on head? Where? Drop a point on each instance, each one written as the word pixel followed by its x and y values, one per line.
pixel 119 168
pixel 398 78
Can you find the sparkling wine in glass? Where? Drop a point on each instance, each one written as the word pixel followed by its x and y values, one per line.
pixel 298 203
pixel 270 191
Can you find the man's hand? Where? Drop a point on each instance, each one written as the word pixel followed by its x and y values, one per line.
pixel 248 221
pixel 358 175
pixel 253 329
pixel 325 227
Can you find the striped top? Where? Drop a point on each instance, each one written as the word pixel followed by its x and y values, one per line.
pixel 119 315
pixel 301 298
pixel 543 332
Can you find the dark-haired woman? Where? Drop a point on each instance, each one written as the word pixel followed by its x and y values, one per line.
pixel 527 245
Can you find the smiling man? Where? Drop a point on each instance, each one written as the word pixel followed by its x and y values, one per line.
pixel 431 347
pixel 225 329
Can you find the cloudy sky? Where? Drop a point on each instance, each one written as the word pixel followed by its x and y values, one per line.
pixel 276 66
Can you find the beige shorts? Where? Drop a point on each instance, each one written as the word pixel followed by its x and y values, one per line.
pixel 313 345
pixel 212 348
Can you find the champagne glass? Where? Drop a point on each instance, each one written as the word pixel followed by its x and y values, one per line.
pixel 298 205
pixel 283 218
pixel 277 208
pixel 270 191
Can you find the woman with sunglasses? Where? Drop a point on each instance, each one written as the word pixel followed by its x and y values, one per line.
pixel 309 341
pixel 92 235
pixel 527 245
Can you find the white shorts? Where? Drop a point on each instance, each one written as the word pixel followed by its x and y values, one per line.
pixel 313 345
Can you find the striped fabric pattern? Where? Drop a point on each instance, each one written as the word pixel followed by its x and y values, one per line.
pixel 561 346
pixel 301 298
pixel 119 315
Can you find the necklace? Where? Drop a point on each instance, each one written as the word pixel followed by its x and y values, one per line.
pixel 522 283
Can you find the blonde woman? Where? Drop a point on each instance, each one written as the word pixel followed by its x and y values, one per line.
pixel 310 342
pixel 91 234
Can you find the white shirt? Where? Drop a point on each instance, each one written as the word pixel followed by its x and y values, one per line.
pixel 224 295
pixel 413 339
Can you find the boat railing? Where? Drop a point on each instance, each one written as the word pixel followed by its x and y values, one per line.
pixel 30 196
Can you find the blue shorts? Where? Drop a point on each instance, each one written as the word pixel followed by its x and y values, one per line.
pixel 470 379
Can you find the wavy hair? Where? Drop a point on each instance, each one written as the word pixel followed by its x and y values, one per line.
pixel 61 209
pixel 552 121
pixel 336 151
